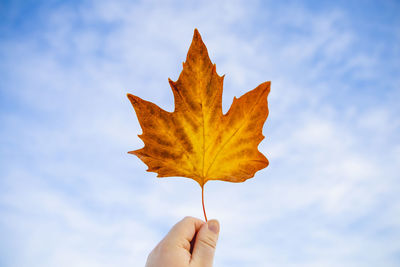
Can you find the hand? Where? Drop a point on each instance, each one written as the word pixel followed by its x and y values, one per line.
pixel 190 243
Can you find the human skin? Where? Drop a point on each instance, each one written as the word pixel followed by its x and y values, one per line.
pixel 190 243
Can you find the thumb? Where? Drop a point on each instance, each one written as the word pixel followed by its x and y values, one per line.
pixel 205 244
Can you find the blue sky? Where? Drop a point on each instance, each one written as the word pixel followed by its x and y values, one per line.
pixel 70 195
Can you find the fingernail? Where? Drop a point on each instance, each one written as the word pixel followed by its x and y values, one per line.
pixel 213 226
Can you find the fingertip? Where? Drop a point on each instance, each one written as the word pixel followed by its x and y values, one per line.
pixel 213 226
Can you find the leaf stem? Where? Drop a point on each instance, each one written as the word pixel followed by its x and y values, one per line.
pixel 202 202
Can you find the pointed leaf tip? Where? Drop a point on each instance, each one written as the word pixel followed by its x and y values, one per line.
pixel 197 37
pixel 132 98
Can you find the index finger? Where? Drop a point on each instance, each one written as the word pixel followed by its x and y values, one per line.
pixel 183 232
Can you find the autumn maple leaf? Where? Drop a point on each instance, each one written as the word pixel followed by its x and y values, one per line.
pixel 197 140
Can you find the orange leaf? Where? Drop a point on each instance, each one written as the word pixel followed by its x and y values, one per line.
pixel 197 140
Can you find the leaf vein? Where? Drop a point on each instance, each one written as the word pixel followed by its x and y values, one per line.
pixel 234 133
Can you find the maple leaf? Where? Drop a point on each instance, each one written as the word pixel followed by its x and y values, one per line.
pixel 197 140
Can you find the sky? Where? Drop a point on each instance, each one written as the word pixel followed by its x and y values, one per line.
pixel 70 195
